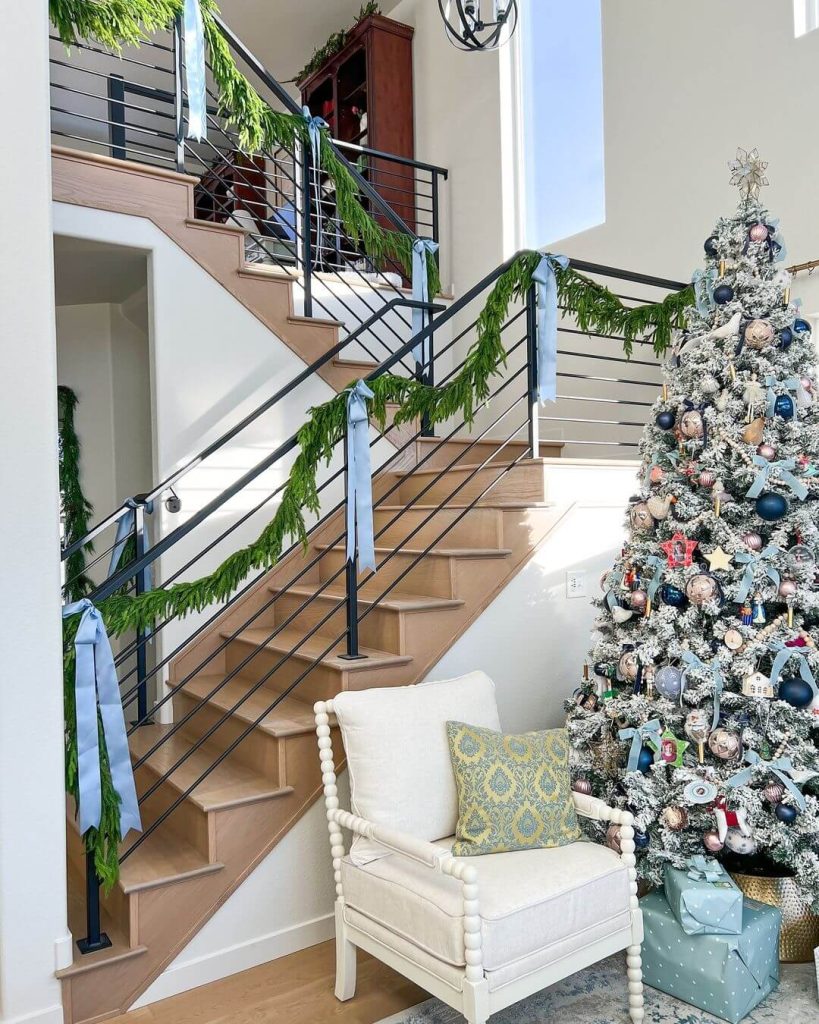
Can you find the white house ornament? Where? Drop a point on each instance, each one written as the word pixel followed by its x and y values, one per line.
pixel 757 685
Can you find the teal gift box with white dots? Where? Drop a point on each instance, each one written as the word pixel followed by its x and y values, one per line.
pixel 726 975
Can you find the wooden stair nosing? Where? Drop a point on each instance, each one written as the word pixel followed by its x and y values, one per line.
pixel 287 639
pixel 398 602
pixel 288 711
pixel 470 553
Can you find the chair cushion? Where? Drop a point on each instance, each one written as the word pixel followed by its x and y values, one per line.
pixel 529 900
pixel 514 792
pixel 398 755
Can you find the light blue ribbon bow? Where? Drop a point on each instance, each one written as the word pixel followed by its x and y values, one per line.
pixel 195 71
pixel 693 663
pixel 315 125
pixel 650 733
pixel 781 768
pixel 615 579
pixel 783 656
pixel 794 384
pixel 96 690
pixel 701 869
pixel 125 527
pixel 359 479
pixel 704 282
pixel 659 565
pixel 544 276
pixel 783 470
pixel 422 249
pixel 750 561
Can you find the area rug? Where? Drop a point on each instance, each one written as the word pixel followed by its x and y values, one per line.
pixel 598 996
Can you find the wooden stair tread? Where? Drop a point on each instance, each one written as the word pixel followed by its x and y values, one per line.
pixel 290 717
pixel 310 649
pixel 461 467
pixel 229 784
pixel 455 506
pixel 433 552
pixel 161 859
pixel 397 602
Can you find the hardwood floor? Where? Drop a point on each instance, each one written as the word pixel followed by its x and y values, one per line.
pixel 296 989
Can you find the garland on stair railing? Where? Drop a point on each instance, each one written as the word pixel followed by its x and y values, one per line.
pixel 119 23
pixel 75 508
pixel 594 308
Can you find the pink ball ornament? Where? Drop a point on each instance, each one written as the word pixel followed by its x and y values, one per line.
pixel 767 451
pixel 758 233
pixel 806 383
pixel 613 838
pixel 712 842
pixel 787 588
pixel 759 334
pixel 638 599
pixel 752 541
pixel 773 792
pixel 582 786
pixel 656 475
pixel 707 478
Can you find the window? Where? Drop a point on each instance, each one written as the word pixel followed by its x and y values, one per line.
pixel 805 16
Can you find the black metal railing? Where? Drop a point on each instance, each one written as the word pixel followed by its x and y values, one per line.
pixel 512 420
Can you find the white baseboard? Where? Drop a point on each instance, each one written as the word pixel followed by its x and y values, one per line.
pixel 180 977
pixel 50 1015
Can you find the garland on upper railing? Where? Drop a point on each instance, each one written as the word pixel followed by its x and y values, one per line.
pixel 76 509
pixel 594 308
pixel 118 23
pixel 337 41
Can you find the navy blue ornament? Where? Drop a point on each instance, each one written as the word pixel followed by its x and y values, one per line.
pixel 671 595
pixel 801 326
pixel 601 668
pixel 645 760
pixel 795 691
pixel 784 407
pixel 785 338
pixel 771 506
pixel 786 813
pixel 642 840
pixel 666 420
pixel 723 293
pixel 710 246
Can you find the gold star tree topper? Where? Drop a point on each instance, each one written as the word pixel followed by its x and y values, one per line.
pixel 748 173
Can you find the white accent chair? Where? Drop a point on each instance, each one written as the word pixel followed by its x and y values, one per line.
pixel 482 932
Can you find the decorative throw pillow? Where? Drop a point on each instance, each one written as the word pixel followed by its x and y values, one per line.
pixel 514 792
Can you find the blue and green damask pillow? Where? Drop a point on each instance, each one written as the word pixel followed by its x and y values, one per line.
pixel 514 792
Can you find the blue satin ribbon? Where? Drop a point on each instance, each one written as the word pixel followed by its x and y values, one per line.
pixel 704 282
pixel 750 561
pixel 125 527
pixel 781 768
pixel 659 566
pixel 422 249
pixel 615 579
pixel 315 125
pixel 693 663
pixel 783 470
pixel 359 479
pixel 544 276
pixel 651 733
pixel 195 71
pixel 794 384
pixel 700 869
pixel 96 692
pixel 783 656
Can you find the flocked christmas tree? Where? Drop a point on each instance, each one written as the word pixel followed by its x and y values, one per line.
pixel 701 714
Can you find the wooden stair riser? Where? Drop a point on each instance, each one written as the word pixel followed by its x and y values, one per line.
pixel 260 751
pixel 431 575
pixel 187 820
pixel 478 528
pixel 437 454
pixel 524 482
pixel 116 904
pixel 381 629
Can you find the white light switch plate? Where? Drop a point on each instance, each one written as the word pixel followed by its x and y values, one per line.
pixel 576 583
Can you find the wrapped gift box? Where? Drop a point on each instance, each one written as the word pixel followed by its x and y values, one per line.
pixel 726 975
pixel 703 906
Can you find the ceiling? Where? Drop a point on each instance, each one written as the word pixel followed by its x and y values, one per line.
pixel 284 33
pixel 88 272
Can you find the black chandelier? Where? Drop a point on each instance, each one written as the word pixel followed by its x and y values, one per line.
pixel 479 24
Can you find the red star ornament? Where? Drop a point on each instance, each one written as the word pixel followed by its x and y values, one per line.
pixel 679 551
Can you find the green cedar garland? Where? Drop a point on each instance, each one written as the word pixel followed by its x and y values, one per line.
pixel 336 41
pixel 76 509
pixel 595 309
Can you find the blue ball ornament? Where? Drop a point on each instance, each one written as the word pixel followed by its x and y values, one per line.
pixel 784 407
pixel 786 813
pixel 645 760
pixel 785 338
pixel 673 596
pixel 668 682
pixel 771 506
pixel 723 293
pixel 642 840
pixel 666 420
pixel 796 692
pixel 801 326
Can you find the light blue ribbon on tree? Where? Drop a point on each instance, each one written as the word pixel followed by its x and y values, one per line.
pixel 781 768
pixel 359 479
pixel 125 528
pixel 750 561
pixel 701 869
pixel 783 656
pixel 651 733
pixel 693 664
pixel 659 565
pixel 195 71
pixel 783 469
pixel 96 693
pixel 615 578
pixel 794 384
pixel 704 282
pixel 546 279
pixel 315 125
pixel 422 249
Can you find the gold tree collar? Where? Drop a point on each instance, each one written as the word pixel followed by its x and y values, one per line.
pixel 748 173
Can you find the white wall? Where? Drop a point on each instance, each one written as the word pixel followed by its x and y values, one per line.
pixel 34 937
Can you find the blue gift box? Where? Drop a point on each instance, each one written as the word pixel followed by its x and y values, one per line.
pixel 726 975
pixel 704 898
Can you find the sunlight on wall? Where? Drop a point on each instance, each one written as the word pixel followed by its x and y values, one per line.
pixel 805 16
